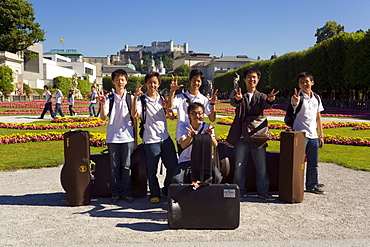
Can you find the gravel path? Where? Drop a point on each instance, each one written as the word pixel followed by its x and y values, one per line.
pixel 33 213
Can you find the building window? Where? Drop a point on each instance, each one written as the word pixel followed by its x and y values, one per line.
pixel 31 62
pixel 89 71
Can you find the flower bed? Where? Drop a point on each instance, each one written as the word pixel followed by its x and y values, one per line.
pixel 96 139
pixel 78 123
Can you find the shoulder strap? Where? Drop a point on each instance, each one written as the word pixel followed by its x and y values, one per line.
pixel 111 102
pixel 143 109
pixel 187 98
pixel 299 107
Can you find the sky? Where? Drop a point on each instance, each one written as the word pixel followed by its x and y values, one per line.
pixel 230 28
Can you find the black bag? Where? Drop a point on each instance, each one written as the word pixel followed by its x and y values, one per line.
pixel 256 131
pixel 210 206
pixel 101 174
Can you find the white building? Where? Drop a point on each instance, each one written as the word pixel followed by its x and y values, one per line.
pixel 57 65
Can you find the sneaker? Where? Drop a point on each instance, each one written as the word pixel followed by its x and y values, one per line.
pixel 114 199
pixel 155 199
pixel 267 197
pixel 316 191
pixel 128 199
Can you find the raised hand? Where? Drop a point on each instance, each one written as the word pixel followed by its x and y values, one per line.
pixel 100 96
pixel 138 91
pixel 271 96
pixel 296 96
pixel 209 130
pixel 191 131
pixel 174 86
pixel 238 94
pixel 213 97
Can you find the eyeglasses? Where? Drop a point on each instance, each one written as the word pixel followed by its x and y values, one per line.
pixel 196 114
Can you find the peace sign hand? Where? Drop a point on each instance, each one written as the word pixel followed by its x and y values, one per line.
pixel 101 96
pixel 174 86
pixel 138 91
pixel 296 96
pixel 271 96
pixel 209 130
pixel 238 94
pixel 191 131
pixel 213 97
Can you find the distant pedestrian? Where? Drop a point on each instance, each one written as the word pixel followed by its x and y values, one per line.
pixel 58 101
pixel 48 103
pixel 71 102
pixel 93 96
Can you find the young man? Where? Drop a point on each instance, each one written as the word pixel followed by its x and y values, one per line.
pixel 181 102
pixel 308 119
pixel 156 139
pixel 93 97
pixel 187 131
pixel 48 103
pixel 248 107
pixel 120 136
pixel 58 101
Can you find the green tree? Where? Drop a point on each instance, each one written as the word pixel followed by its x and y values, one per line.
pixel 329 30
pixel 6 79
pixel 17 27
pixel 182 70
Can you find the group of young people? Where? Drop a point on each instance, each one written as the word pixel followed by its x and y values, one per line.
pixel 71 102
pixel 122 109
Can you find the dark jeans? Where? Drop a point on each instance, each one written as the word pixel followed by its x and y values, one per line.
pixel 47 108
pixel 312 171
pixel 57 110
pixel 166 151
pixel 120 164
pixel 71 111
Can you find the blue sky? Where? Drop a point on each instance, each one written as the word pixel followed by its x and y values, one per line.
pixel 240 27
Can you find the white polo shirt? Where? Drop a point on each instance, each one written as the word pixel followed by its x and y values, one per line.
pixel 58 96
pixel 181 106
pixel 186 153
pixel 306 117
pixel 120 128
pixel 155 124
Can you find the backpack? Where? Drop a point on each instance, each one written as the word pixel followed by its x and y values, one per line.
pixel 290 115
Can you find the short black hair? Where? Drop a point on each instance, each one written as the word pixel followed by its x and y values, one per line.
pixel 196 72
pixel 193 106
pixel 252 69
pixel 119 72
pixel 305 74
pixel 46 87
pixel 55 86
pixel 152 74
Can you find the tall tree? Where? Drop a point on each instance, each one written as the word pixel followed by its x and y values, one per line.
pixel 17 27
pixel 330 29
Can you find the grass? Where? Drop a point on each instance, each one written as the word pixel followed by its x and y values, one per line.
pixel 51 154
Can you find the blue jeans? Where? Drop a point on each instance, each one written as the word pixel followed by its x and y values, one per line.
pixel 312 170
pixel 58 110
pixel 120 164
pixel 92 110
pixel 241 151
pixel 166 151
